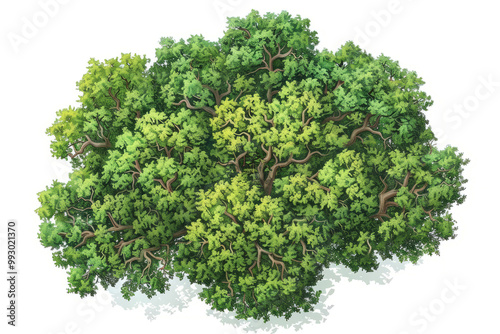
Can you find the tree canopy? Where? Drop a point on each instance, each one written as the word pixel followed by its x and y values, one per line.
pixel 246 165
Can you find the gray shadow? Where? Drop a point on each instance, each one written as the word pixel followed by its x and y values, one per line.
pixel 182 293
pixel 178 298
pixel 383 275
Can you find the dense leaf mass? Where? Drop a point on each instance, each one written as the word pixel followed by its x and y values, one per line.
pixel 246 165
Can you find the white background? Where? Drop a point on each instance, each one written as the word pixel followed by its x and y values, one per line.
pixel 453 46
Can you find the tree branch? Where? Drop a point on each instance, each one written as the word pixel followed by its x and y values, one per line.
pixel 229 285
pixel 270 94
pixel 114 98
pixel 117 227
pixel 89 141
pixel 304 123
pixel 304 249
pixel 85 235
pixel 366 127
pixel 210 110
pixel 337 118
pixel 269 66
pixel 271 256
pixel 268 183
pixel 122 244
pixel 218 97
pixel 235 162
pixel 384 197
pixel 247 32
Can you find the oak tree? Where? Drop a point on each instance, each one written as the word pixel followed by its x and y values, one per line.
pixel 246 165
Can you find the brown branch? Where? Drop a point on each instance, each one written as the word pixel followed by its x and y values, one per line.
pixel 137 166
pixel 114 98
pixel 168 186
pixel 430 216
pixel 150 261
pixel 203 244
pixel 236 162
pixel 263 162
pixel 78 209
pixel 89 141
pixel 135 174
pixel 268 182
pixel 417 191
pixel 312 178
pixel 162 259
pixel 227 122
pixel 245 30
pixel 336 118
pixel 210 110
pixel 270 121
pixel 304 248
pixel 269 66
pixel 339 83
pixel 237 97
pixel 67 212
pixel 122 244
pixel 218 97
pixel 233 218
pixel 117 227
pixel 127 83
pixel 91 197
pixel 86 235
pixel 167 151
pixel 179 234
pixel 305 123
pixel 271 256
pixel 384 197
pixel 270 94
pixel 245 133
pixel 229 285
pixel 145 252
pixel 277 56
pixel 141 256
pixel 251 267
pixel 366 127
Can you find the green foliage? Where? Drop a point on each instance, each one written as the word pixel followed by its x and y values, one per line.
pixel 247 165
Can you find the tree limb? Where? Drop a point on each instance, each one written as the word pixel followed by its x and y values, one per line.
pixel 114 98
pixel 269 66
pixel 312 178
pixel 366 127
pixel 270 94
pixel 304 248
pixel 384 197
pixel 268 182
pixel 89 141
pixel 85 235
pixel 305 123
pixel 218 97
pixel 229 285
pixel 117 227
pixel 168 186
pixel 337 118
pixel 235 162
pixel 210 110
pixel 271 256
pixel 122 244
pixel 247 32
